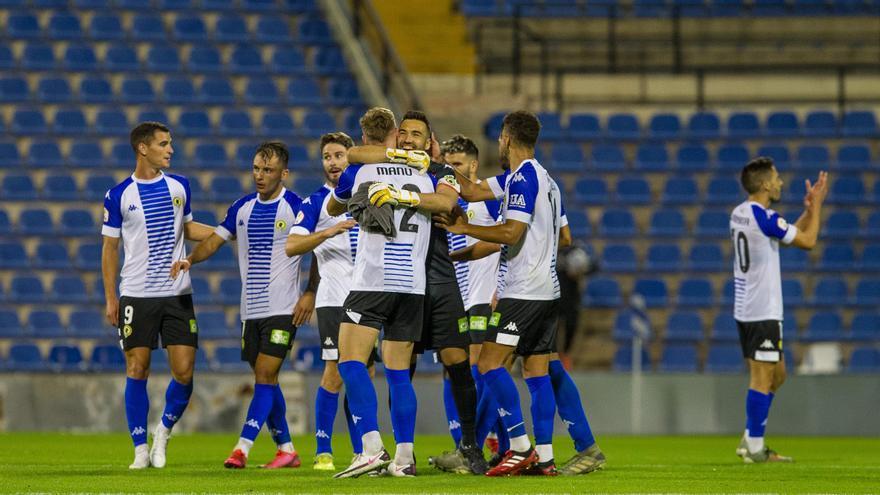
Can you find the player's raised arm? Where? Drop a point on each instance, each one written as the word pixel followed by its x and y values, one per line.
pixel 109 269
pixel 808 225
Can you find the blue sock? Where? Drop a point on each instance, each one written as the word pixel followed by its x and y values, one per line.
pixel 757 409
pixel 568 401
pixel 403 405
pixel 357 443
pixel 503 389
pixel 543 408
pixel 258 411
pixel 276 422
pixel 361 395
pixel 451 412
pixel 487 413
pixel 137 406
pixel 503 437
pixel 478 379
pixel 176 399
pixel 326 403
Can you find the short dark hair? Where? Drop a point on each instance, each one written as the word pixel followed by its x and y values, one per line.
pixel 377 123
pixel 460 144
pixel 143 133
pixel 417 115
pixel 340 138
pixel 269 149
pixel 523 127
pixel 755 173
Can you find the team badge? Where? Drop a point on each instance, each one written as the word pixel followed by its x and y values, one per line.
pixel 280 225
pixel 126 331
pixel 470 214
pixel 178 201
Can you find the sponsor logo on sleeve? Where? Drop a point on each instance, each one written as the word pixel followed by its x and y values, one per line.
pixel 781 223
pixel 517 200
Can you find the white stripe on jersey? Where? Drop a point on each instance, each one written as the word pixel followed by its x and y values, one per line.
pixel 483 273
pixel 756 233
pixel 149 216
pixel 462 268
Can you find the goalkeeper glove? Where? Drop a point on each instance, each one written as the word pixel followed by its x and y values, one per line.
pixel 382 194
pixel 416 159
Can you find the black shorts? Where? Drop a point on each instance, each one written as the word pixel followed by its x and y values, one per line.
pixel 272 336
pixel 530 326
pixel 445 320
pixel 478 322
pixel 329 318
pixel 143 319
pixel 761 340
pixel 397 315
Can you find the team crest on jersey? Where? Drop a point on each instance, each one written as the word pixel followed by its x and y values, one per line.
pixel 178 201
pixel 280 225
pixel 470 214
pixel 517 200
pixel 126 331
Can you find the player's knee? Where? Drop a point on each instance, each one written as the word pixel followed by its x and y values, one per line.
pixel 265 376
pixel 779 378
pixel 183 376
pixel 331 382
pixel 453 355
pixel 137 370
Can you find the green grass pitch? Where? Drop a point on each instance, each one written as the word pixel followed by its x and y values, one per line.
pixel 55 463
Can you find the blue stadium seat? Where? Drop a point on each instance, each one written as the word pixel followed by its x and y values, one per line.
pixel 228 360
pixel 617 223
pixel 351 124
pixel 78 222
pixel 106 27
pixel 567 157
pixel 810 7
pixel 80 58
pixel 328 61
pixel 704 125
pixel 137 90
pixel 301 6
pixel 163 58
pixel 289 61
pixel 723 191
pixel 304 91
pixel 493 125
pixel 35 221
pixel 12 255
pixel 10 326
pixel 147 27
pixel 88 256
pixel 159 361
pixel 842 224
pixel 45 324
pixel 95 90
pixel 865 326
pixel 45 154
pixel 578 223
pixel 728 294
pixel 207 217
pixel 779 153
pixel 213 325
pixel 60 188
pixel 107 358
pixel 663 258
pixel 14 89
pixel 189 28
pixel 868 292
pixel 5 225
pixel 259 91
pixel 26 289
pixel 245 59
pixel 725 359
pixel 67 289
pixel 864 360
pixel 20 187
pixel 226 188
pixel 870 261
pixel 29 122
pixel 664 126
pixel 121 58
pixel 813 157
pixel 847 191
pixel 98 185
pixel 820 124
pixel 277 124
pixel 23 25
pixel 695 292
pixel 230 290
pixel 793 260
pixel 63 26
pixel 52 255
pixel 854 158
pixel 623 359
pixel 584 127
pixel 743 125
pixel 204 59
pixel 792 292
pixel 70 121
pixel 680 190
pixel 838 257
pixel 667 223
pixel 871 230
pixel 178 91
pixel 633 191
pixel 623 126
pixel 210 155
pixel 259 5
pixel 65 358
pixel 316 123
pixel 53 90
pixel 9 155
pixel 686 326
pixel 824 326
pixel 90 324
pixel 314 31
pixel 272 29
pixel 652 158
pixel 230 28
pixel 223 259
pixel 707 257
pixel 654 292
pixel 120 154
pixel 602 292
pixel 551 126
pixel 619 258
pixel 235 123
pixel 216 91
pixel 25 357
pixel 859 124
pixel 7 59
pixel 693 158
pixel 782 125
pixel 344 92
pixel 830 291
pixel 193 123
pixel 201 288
pixel 607 158
pixel 679 358
pixel 300 160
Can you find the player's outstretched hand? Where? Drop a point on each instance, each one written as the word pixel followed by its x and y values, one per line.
pixel 816 192
pixel 111 311
pixel 339 228
pixel 179 266
pixel 436 154
pixel 382 194
pixel 302 312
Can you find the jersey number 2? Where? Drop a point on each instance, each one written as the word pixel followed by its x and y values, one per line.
pixel 742 252
pixel 405 225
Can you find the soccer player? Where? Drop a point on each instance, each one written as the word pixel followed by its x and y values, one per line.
pixel 387 292
pixel 151 212
pixel 756 231
pixel 334 242
pixel 260 222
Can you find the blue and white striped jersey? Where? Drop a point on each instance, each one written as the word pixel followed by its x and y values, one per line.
pixel 149 216
pixel 462 268
pixel 269 278
pixel 482 273
pixel 335 255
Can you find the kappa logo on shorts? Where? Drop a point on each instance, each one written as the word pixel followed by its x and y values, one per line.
pixel 463 325
pixel 193 326
pixel 511 327
pixel 279 337
pixel 495 320
pixel 328 341
pixel 766 344
pixel 479 322
pixel 126 331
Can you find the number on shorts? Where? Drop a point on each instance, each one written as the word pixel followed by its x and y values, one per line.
pixel 128 311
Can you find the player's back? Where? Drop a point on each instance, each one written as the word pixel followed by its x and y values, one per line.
pixel 756 232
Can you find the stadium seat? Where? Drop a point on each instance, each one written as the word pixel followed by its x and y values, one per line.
pixel 29 122
pixel 9 155
pixel 705 257
pixel 653 291
pixel 602 292
pixel 854 158
pixel 38 56
pixel 824 326
pixel 107 358
pixel 679 358
pixel 623 359
pixel 623 126
pixel 289 61
pixel 663 258
pixel 652 158
pixel 838 258
pixel 667 223
pixel 136 90
pixel 725 359
pixel 88 256
pixel 693 158
pixel 304 91
pixel 19 187
pixel 633 191
pixel 778 153
pixel 12 255
pixel 106 27
pixel 567 157
pixel 45 154
pixel 792 292
pixel 723 191
pixel 866 326
pixel 147 27
pixel 664 126
pixel 278 125
pixel 680 191
pixel 189 28
pixel 53 90
pixel 228 359
pixel 230 290
pixel 206 217
pixel 153 115
pixel 23 26
pixel 301 161
pixel 684 326
pixel 230 28
pixel 704 125
pixel 272 29
pixel 841 224
pixel 235 123
pixel 25 289
pixel 344 92
pixel 201 288
pixel 98 185
pixel 551 126
pixel 10 326
pixel 193 123
pixel 811 158
pixel 868 292
pixel 619 258
pixel 68 289
pixel 159 362
pixel 245 59
pixel 820 124
pixel 80 58
pixel 617 223
pixel 583 127
pixel 45 324
pixel 210 156
pixel 695 292
pixel 328 61
pixel 871 230
pixel 316 123
pixel 51 255
pixel 870 261
pixel 847 191
pixel 5 224
pixel 213 325
pixel 178 91
pixel 830 291
pixel 25 357
pixel 122 59
pixel 608 158
pixel 77 222
pixel 859 123
pixel 864 360
pixel 14 89
pixel 226 188
pixel 314 31
pixel 35 221
pixel 579 223
pixel 732 157
pixel 793 259
pixel 70 122
pixel 782 125
pixel 204 59
pixel 261 92
pixel 216 91
pixel 65 358
pixel 111 122
pixel 743 125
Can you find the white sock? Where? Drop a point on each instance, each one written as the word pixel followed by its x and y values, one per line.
pixel 162 429
pixel 244 445
pixel 520 443
pixel 372 443
pixel 404 454
pixel 141 450
pixel 756 444
pixel 492 435
pixel 545 452
pixel 287 447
